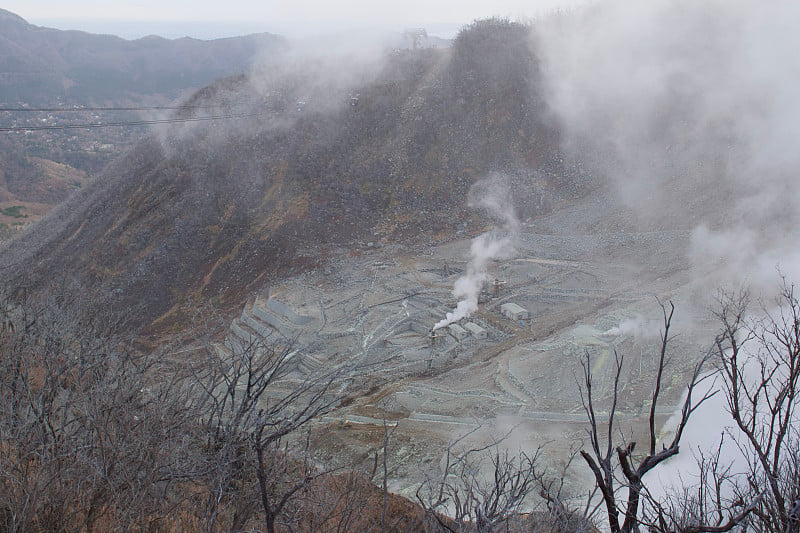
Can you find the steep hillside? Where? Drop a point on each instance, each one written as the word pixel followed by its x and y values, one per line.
pixel 384 154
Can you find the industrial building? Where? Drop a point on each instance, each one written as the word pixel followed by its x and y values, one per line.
pixel 475 330
pixel 457 331
pixel 513 311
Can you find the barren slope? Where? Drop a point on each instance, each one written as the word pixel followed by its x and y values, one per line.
pixel 216 211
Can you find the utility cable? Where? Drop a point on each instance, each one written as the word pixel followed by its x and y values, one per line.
pixel 126 123
pixel 78 109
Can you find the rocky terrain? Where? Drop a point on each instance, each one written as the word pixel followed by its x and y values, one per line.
pixel 345 212
pixel 375 310
pixel 382 155
pixel 337 215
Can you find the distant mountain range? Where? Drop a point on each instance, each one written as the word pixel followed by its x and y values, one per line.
pixel 49 68
pixel 42 65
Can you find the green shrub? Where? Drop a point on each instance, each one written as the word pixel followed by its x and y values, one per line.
pixel 14 211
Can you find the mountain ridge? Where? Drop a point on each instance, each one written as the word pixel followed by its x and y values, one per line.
pixel 65 72
pixel 199 212
pixel 39 63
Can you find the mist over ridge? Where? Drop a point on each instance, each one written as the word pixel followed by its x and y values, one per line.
pixel 476 236
pixel 671 104
pixel 346 146
pixel 688 109
pixel 684 109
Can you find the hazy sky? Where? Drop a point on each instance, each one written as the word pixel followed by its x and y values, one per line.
pixel 283 16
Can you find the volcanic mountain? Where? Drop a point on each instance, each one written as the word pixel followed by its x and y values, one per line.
pixel 313 158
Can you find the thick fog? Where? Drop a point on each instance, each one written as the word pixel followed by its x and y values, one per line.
pixel 689 109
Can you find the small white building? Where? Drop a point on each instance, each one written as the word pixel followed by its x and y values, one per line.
pixel 475 330
pixel 513 311
pixel 457 331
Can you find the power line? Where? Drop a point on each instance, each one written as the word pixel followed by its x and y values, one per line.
pixel 126 123
pixel 78 109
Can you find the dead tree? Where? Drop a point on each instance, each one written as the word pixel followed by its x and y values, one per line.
pixel 710 504
pixel 480 490
pixel 616 467
pixel 337 503
pixel 758 485
pixel 793 525
pixel 562 511
pixel 91 432
pixel 249 408
pixel 281 476
pixel 759 360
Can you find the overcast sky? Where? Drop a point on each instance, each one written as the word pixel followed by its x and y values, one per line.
pixel 298 18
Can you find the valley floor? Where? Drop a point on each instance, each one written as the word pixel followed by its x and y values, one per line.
pixel 587 293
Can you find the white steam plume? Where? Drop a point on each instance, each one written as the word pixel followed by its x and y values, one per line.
pixel 468 287
pixel 639 327
pixel 492 195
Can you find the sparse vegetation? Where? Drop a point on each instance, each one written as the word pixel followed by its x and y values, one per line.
pixel 332 174
pixel 97 436
pixel 14 211
pixel 127 404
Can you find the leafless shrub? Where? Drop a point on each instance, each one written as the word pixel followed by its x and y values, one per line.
pixel 487 489
pixel 247 408
pixel 617 469
pixel 88 437
pixel 759 361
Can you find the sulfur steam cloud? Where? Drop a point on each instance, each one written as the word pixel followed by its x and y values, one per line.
pixel 491 195
pixel 690 111
pixel 639 327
